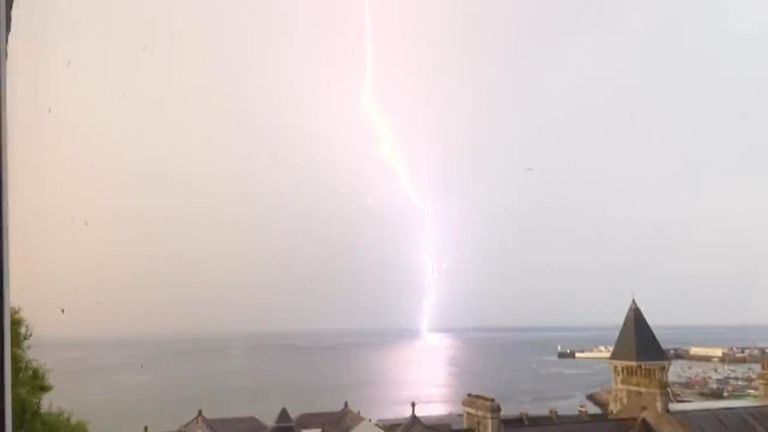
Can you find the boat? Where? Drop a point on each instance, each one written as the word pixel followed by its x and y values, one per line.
pixel 602 352
pixel 565 353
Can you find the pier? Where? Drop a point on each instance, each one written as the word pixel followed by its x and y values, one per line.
pixel 726 355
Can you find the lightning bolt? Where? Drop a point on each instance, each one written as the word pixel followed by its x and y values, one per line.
pixel 393 155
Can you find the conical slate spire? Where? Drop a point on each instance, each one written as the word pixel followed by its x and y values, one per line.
pixel 283 418
pixel 636 342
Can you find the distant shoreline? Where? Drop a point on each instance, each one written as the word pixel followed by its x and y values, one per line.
pixel 661 329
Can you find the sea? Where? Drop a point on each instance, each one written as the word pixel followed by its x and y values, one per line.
pixel 121 385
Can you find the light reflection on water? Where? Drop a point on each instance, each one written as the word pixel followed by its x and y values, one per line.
pixel 162 382
pixel 425 373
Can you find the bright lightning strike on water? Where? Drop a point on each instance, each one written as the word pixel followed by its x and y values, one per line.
pixel 396 160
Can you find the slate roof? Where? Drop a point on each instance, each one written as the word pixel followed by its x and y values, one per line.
pixel 224 424
pixel 368 426
pixel 752 418
pixel 237 424
pixel 597 426
pixel 414 423
pixel 723 420
pixel 283 418
pixel 636 341
pixel 331 421
pixel 283 422
pixel 442 422
pixel 568 423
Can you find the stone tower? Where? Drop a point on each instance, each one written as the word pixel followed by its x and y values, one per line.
pixel 640 367
pixel 481 413
pixel 763 380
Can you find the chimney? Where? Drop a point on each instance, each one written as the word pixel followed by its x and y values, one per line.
pixel 481 413
pixel 524 417
pixel 553 414
pixel 583 412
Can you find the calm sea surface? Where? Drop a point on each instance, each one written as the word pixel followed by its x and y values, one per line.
pixel 121 385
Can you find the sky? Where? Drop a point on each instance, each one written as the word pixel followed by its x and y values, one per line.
pixel 185 167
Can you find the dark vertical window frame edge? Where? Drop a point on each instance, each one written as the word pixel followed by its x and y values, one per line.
pixel 5 391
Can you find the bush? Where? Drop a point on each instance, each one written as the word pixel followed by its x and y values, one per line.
pixel 30 384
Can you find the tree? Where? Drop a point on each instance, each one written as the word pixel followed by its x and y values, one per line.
pixel 29 385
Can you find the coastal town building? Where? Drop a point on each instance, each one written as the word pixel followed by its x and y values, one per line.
pixel 283 422
pixel 706 352
pixel 344 420
pixel 481 413
pixel 640 368
pixel 201 423
pixel 367 426
pixel 415 424
pixel 639 401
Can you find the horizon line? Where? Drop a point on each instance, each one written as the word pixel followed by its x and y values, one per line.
pixel 414 331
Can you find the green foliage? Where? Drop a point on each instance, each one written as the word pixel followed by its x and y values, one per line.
pixel 61 420
pixel 30 384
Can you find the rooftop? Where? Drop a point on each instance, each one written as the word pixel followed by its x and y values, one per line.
pixel 414 423
pixel 716 404
pixel 283 418
pixel 225 424
pixel 334 421
pixel 636 342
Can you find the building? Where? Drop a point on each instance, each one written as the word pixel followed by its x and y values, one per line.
pixel 481 413
pixel 706 352
pixel 640 368
pixel 344 420
pixel 283 422
pixel 640 401
pixel 201 423
pixel 414 424
pixel 367 426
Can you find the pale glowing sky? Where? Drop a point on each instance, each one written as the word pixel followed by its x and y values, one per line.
pixel 207 167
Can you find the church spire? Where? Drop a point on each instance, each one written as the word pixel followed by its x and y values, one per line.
pixel 640 368
pixel 636 342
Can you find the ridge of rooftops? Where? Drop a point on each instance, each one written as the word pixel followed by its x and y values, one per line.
pixel 348 420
